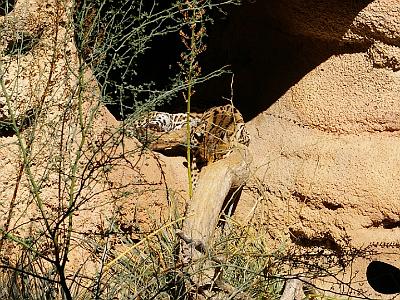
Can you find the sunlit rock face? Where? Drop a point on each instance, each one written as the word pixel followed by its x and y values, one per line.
pixel 54 101
pixel 327 152
pixel 39 60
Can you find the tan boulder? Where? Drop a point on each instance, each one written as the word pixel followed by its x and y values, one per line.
pixel 327 154
pixel 73 158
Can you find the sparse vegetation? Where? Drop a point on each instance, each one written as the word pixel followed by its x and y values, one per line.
pixel 62 166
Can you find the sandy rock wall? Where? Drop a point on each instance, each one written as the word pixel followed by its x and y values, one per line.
pixel 76 152
pixel 36 38
pixel 343 21
pixel 345 94
pixel 327 153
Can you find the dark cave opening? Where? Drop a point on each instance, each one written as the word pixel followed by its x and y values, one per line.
pixel 265 57
pixel 383 278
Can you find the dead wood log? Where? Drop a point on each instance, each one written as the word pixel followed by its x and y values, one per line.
pixel 215 183
pixel 293 290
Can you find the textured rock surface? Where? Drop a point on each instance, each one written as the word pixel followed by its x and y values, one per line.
pixel 327 154
pixel 354 21
pixel 44 79
pixel 344 94
pixel 28 38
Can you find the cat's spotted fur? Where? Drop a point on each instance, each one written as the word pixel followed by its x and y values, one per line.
pixel 214 134
pixel 157 121
pixel 219 130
